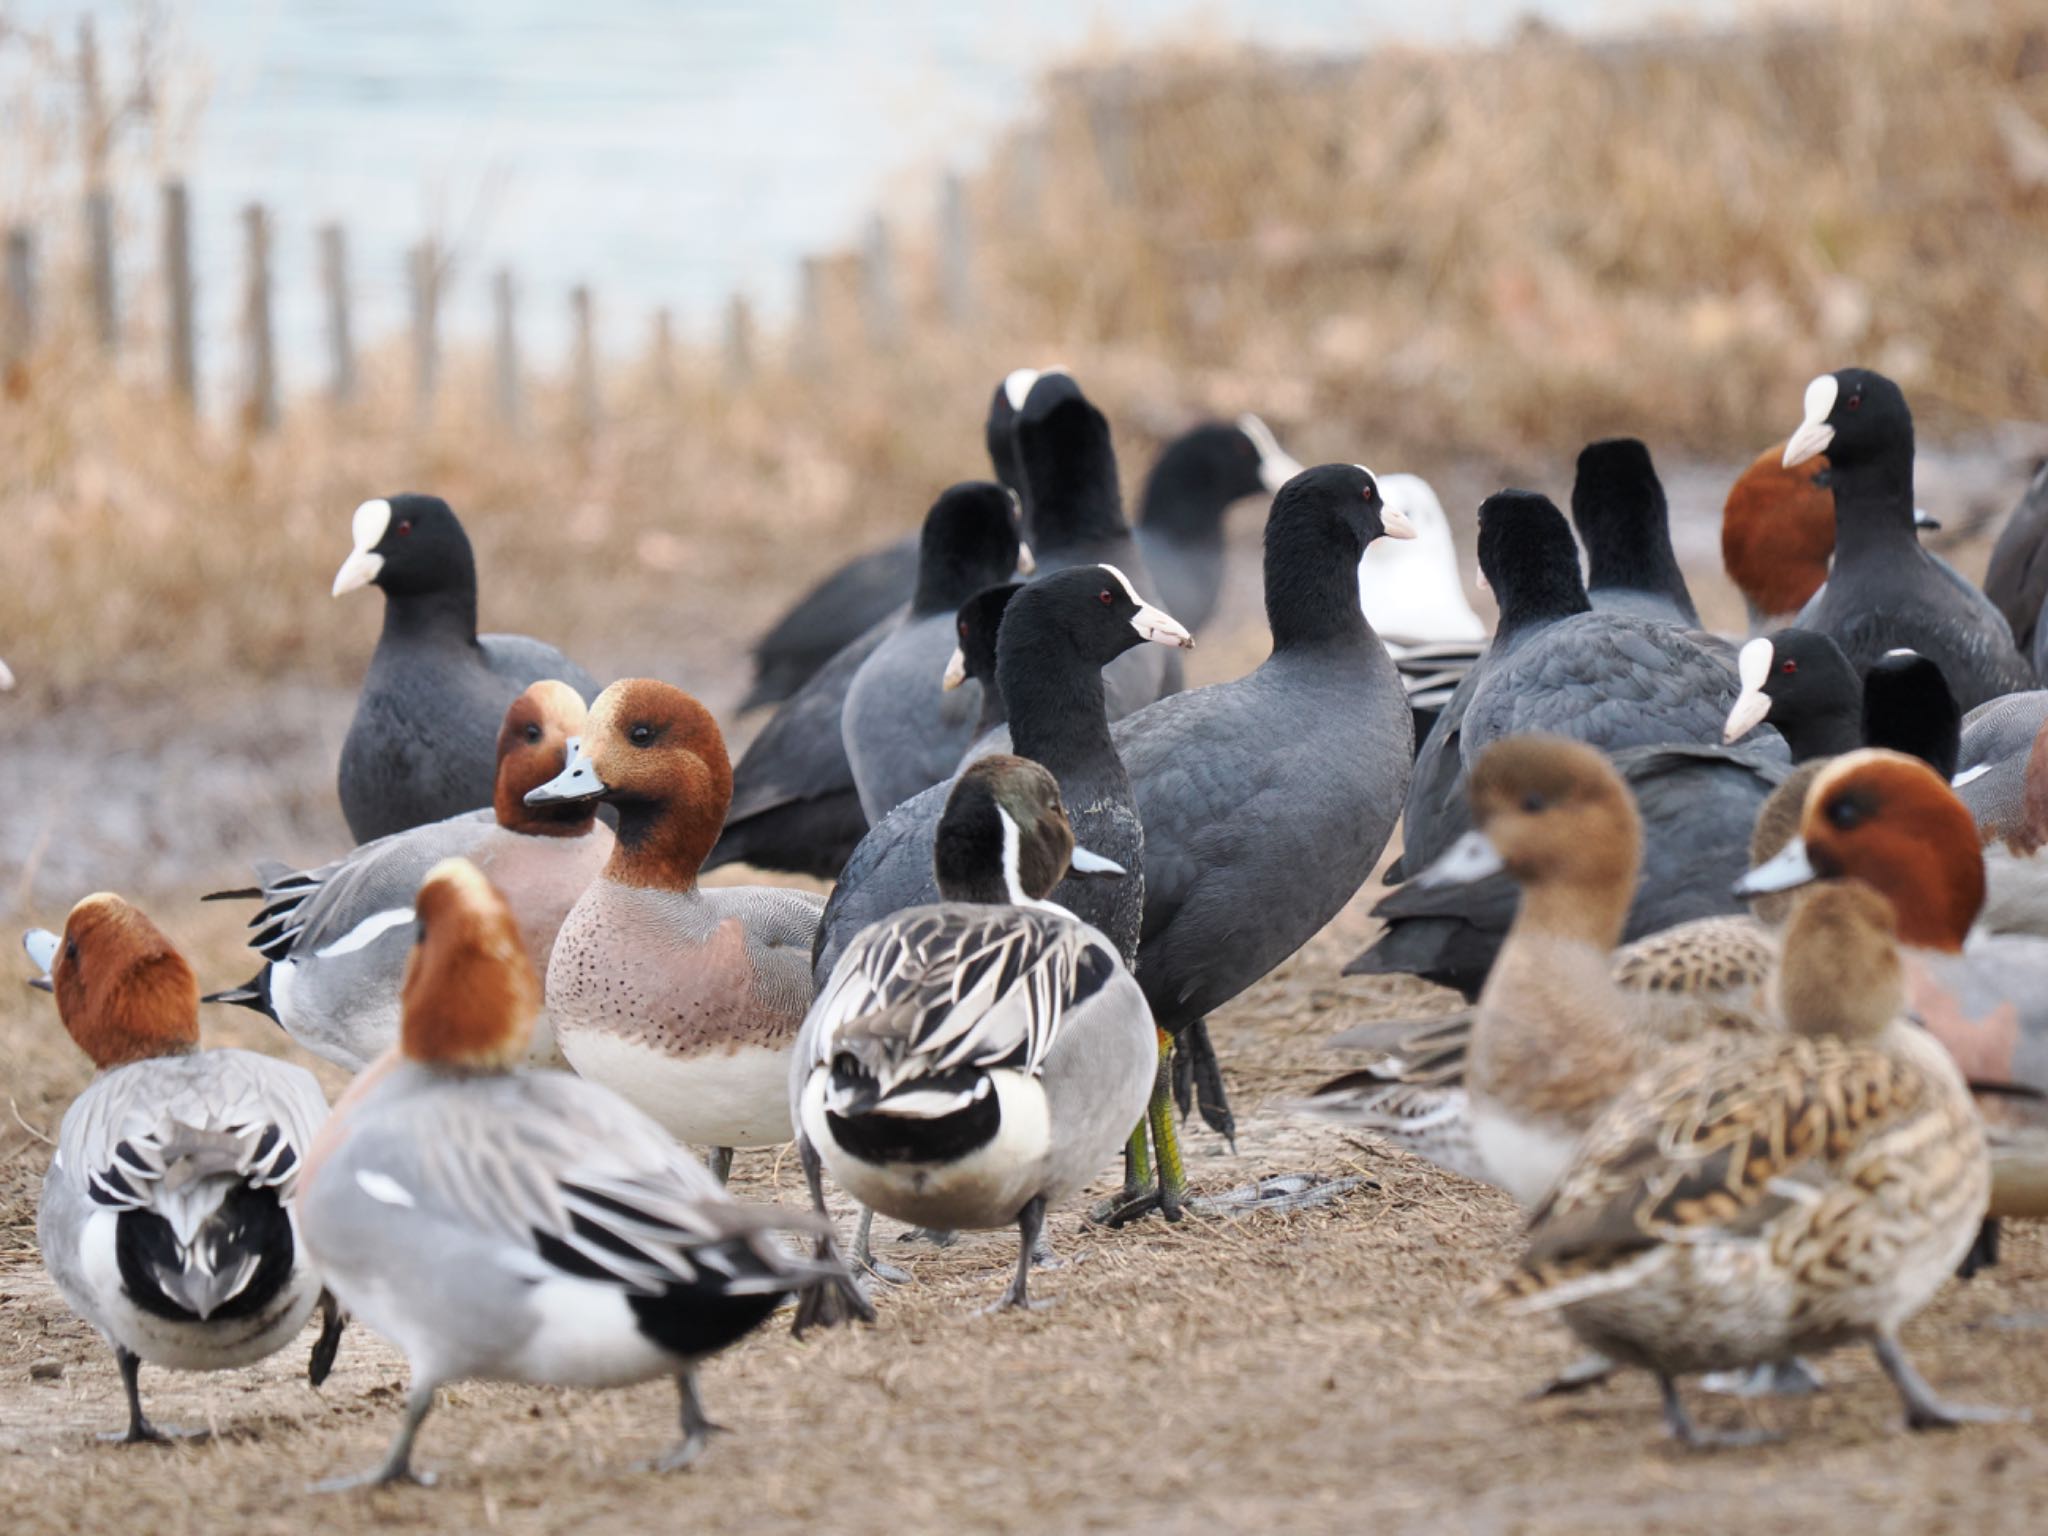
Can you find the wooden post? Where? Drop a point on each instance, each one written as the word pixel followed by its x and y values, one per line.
pixel 183 359
pixel 505 345
pixel 20 329
pixel 878 288
pixel 811 348
pixel 739 341
pixel 583 356
pixel 956 257
pixel 341 346
pixel 99 203
pixel 664 358
pixel 424 268
pixel 259 354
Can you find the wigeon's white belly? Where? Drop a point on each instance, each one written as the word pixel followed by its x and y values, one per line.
pixel 735 1097
pixel 1523 1156
pixel 985 1188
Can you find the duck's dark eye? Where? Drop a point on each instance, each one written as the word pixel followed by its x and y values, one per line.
pixel 1532 802
pixel 533 733
pixel 641 735
pixel 1788 668
pixel 71 951
pixel 404 527
pixel 1104 598
pixel 1847 813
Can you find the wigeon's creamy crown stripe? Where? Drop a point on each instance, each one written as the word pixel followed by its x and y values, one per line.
pixel 470 992
pixel 532 749
pixel 123 991
pixel 662 760
pixel 1892 822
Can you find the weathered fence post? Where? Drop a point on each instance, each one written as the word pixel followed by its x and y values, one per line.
pixel 505 345
pixel 956 256
pixel 811 345
pixel 878 288
pixel 583 356
pixel 183 358
pixel 739 341
pixel 341 346
pixel 99 203
pixel 664 358
pixel 20 329
pixel 259 365
pixel 425 273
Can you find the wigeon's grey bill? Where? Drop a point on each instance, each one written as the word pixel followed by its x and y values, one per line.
pixel 578 780
pixel 1926 521
pixel 1086 862
pixel 366 532
pixel 1027 563
pixel 1276 465
pixel 1471 858
pixel 1789 869
pixel 956 670
pixel 1395 523
pixel 1161 627
pixel 41 945
pixel 1814 434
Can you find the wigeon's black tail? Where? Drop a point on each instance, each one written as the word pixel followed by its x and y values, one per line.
pixel 253 994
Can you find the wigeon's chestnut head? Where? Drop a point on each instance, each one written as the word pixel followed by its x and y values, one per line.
pixel 1890 821
pixel 124 993
pixel 1554 815
pixel 1839 973
pixel 658 757
pixel 533 747
pixel 1778 532
pixel 409 545
pixel 470 992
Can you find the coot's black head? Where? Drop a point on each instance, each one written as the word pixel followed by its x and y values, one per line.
pixel 1342 497
pixel 1619 510
pixel 1090 611
pixel 1801 683
pixel 1909 707
pixel 970 540
pixel 1000 431
pixel 977 623
pixel 1856 418
pixel 1528 559
pixel 1068 462
pixel 409 545
pixel 1005 836
pixel 1205 469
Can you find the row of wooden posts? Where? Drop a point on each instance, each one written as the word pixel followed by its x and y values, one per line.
pixel 427 272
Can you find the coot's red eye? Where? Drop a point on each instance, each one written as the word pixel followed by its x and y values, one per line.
pixel 1853 402
pixel 1789 668
pixel 963 629
pixel 404 527
pixel 1104 598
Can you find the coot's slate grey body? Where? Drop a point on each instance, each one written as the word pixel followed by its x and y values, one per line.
pixel 1619 510
pixel 902 729
pixel 1698 804
pixel 1057 637
pixel 2016 581
pixel 1195 481
pixel 1886 592
pixel 1075 513
pixel 1267 801
pixel 423 745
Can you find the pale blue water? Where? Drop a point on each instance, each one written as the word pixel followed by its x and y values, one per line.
pixel 667 154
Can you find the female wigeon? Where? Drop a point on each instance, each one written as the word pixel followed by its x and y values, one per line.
pixel 165 1219
pixel 335 939
pixel 685 1001
pixel 1779 1196
pixel 2003 778
pixel 501 1225
pixel 1891 822
pixel 419 747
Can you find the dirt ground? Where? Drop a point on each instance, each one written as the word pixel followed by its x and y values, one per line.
pixel 1323 1370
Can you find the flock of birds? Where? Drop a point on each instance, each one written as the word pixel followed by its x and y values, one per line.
pixel 1754 941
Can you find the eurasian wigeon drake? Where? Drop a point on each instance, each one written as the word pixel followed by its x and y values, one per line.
pixel 901 731
pixel 503 1225
pixel 335 939
pixel 2006 789
pixel 974 1061
pixel 1415 601
pixel 1886 592
pixel 1891 822
pixel 1197 478
pixel 421 746
pixel 685 1000
pixel 2016 580
pixel 1619 510
pixel 798 802
pixel 1775 1197
pixel 1566 1017
pixel 165 1218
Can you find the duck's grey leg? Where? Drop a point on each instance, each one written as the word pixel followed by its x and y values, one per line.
pixel 720 1164
pixel 864 1253
pixel 697 1428
pixel 1690 1434
pixel 140 1431
pixel 332 1321
pixel 397 1464
pixel 1030 1228
pixel 825 1303
pixel 1925 1410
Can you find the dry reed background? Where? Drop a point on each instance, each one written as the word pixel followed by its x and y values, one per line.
pixel 1444 258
